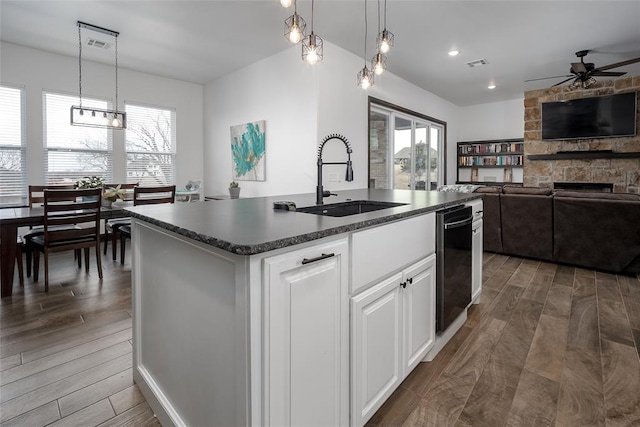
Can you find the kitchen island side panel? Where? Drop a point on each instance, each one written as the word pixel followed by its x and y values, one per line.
pixel 188 322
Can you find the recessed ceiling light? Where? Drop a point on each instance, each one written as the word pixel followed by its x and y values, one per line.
pixel 453 52
pixel 491 86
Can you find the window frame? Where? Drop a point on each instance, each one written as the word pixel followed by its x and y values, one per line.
pixel 108 152
pixel 172 154
pixel 393 111
pixel 21 148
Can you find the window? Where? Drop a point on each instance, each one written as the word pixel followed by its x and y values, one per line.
pixel 405 149
pixel 73 152
pixel 12 147
pixel 150 145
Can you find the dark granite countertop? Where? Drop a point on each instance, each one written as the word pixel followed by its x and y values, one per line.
pixel 251 226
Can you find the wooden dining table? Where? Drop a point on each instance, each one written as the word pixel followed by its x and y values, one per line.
pixel 13 218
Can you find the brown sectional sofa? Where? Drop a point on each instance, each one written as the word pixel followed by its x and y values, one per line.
pixel 594 230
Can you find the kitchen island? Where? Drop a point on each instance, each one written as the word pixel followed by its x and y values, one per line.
pixel 246 315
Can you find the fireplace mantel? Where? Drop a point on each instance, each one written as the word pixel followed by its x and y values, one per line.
pixel 575 155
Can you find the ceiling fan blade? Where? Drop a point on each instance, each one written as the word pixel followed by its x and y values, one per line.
pixel 608 73
pixel 617 64
pixel 564 81
pixel 578 67
pixel 545 78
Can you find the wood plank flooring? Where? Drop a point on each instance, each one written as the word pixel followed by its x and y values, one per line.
pixel 547 345
pixel 65 355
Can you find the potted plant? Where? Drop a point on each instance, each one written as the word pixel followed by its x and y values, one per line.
pixel 112 194
pixel 89 182
pixel 234 190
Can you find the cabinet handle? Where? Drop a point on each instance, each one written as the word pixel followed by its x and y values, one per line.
pixel 319 258
pixel 410 280
pixel 403 284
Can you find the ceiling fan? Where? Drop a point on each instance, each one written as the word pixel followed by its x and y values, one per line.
pixel 582 72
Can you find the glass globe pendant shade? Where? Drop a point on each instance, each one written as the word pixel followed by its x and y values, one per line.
pixel 379 63
pixel 385 41
pixel 365 78
pixel 294 28
pixel 286 3
pixel 312 50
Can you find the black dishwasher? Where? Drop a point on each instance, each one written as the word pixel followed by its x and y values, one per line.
pixel 453 264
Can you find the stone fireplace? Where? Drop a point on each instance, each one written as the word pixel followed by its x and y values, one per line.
pixel 613 161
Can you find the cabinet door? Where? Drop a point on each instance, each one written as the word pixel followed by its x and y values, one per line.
pixel 376 347
pixel 306 337
pixel 476 262
pixel 419 291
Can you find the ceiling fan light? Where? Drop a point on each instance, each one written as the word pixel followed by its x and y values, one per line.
pixel 575 84
pixel 589 82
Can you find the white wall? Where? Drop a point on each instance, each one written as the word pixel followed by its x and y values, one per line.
pixel 37 71
pixel 283 91
pixel 302 104
pixel 497 120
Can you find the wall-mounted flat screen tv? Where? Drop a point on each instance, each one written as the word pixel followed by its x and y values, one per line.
pixel 599 117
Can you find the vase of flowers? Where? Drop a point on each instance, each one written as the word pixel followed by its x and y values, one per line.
pixel 89 182
pixel 234 190
pixel 112 194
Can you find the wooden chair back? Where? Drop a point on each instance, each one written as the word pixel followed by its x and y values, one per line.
pixel 128 188
pixel 36 193
pixel 71 207
pixel 154 195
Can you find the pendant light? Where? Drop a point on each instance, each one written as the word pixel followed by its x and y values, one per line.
pixel 385 38
pixel 96 117
pixel 294 26
pixel 365 76
pixel 312 50
pixel 379 61
pixel 286 3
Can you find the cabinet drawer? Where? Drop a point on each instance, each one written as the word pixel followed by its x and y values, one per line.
pixel 476 208
pixel 379 251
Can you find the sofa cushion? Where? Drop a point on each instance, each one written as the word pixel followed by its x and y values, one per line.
pixel 598 195
pixel 527 225
pixel 597 232
pixel 488 190
pixel 541 191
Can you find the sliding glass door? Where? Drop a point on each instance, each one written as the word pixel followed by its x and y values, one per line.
pixel 404 150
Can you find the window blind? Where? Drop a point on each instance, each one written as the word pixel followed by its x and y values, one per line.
pixel 12 147
pixel 73 152
pixel 150 145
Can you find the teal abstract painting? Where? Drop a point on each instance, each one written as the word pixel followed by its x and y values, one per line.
pixel 248 151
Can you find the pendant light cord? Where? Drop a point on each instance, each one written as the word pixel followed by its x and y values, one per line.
pixel 312 16
pixel 378 16
pixel 365 33
pixel 80 63
pixel 116 37
pixel 385 14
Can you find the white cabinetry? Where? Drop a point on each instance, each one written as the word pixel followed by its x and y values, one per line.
pixel 393 327
pixel 306 336
pixel 476 262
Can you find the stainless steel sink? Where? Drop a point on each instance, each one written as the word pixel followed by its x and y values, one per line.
pixel 348 208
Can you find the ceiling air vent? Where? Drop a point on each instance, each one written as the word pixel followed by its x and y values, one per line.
pixel 98 43
pixel 477 63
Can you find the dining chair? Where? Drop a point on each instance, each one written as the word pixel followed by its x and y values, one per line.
pixel 80 208
pixel 113 225
pixel 36 199
pixel 146 196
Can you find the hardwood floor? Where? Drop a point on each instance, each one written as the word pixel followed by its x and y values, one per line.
pixel 547 345
pixel 65 356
